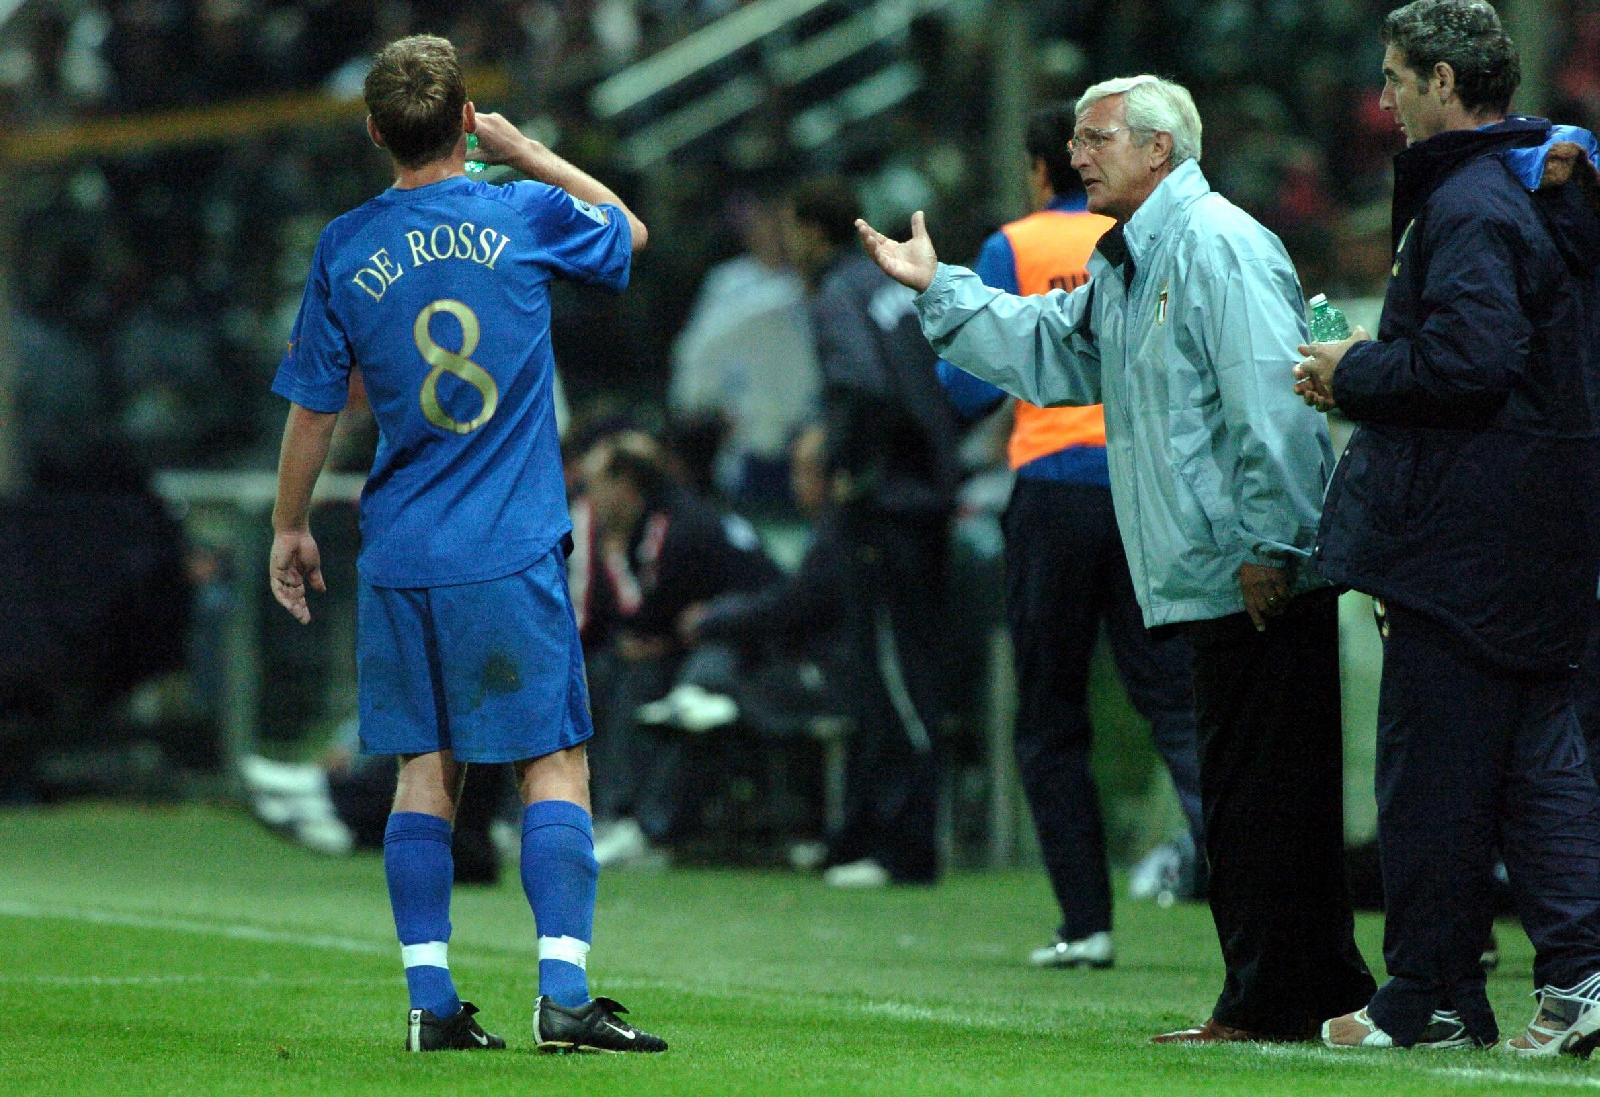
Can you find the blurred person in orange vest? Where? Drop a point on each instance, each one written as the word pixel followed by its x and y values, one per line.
pixel 1066 574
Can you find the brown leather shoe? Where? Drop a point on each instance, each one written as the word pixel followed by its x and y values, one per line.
pixel 1214 1031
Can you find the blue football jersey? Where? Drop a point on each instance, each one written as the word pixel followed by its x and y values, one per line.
pixel 440 295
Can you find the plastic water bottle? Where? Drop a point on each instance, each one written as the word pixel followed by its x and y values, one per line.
pixel 1328 324
pixel 474 167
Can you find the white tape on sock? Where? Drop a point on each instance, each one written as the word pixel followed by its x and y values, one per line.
pixel 568 949
pixel 427 954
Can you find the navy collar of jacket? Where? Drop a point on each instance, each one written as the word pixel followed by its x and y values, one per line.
pixel 1420 169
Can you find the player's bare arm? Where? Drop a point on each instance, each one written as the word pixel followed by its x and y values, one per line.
pixel 295 562
pixel 500 142
pixel 910 262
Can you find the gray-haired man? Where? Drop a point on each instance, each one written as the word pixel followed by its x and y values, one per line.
pixel 1187 333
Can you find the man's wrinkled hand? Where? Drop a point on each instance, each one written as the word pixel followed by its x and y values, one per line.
pixel 910 262
pixel 1266 592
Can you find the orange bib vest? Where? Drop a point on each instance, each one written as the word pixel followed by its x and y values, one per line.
pixel 1052 250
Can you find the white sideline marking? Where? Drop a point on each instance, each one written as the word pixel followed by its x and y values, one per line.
pixel 902 1010
pixel 262 979
pixel 233 931
pixel 1416 1062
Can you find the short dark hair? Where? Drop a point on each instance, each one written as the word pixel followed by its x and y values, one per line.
pixel 829 205
pixel 1467 36
pixel 1049 130
pixel 415 93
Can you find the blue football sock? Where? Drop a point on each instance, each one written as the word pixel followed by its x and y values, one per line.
pixel 417 862
pixel 559 876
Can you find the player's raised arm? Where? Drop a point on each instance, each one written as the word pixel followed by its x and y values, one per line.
pixel 295 562
pixel 500 142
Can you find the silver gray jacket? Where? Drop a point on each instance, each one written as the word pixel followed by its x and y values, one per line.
pixel 1215 462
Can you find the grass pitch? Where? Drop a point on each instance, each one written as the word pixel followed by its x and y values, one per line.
pixel 185 951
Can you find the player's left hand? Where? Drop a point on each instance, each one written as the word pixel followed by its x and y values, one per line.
pixel 498 140
pixel 295 564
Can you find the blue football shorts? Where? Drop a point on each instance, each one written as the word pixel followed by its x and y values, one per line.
pixel 490 671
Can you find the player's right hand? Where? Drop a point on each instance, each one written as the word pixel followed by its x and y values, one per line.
pixel 295 563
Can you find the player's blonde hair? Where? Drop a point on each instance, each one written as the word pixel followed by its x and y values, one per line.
pixel 415 93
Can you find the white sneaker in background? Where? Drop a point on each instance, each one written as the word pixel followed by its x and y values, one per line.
pixel 264 776
pixel 807 856
pixel 624 844
pixel 507 840
pixel 324 835
pixel 1092 951
pixel 285 795
pixel 689 708
pixel 865 873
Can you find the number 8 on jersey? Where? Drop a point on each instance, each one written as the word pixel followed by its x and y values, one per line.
pixel 458 364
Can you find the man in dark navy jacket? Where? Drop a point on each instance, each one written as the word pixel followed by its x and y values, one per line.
pixel 1464 504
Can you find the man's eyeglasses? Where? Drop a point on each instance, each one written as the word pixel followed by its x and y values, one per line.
pixel 1089 139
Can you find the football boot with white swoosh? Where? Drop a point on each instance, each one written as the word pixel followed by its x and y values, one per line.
pixel 594 1026
pixel 425 1032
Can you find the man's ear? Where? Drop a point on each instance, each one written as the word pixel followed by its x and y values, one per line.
pixel 372 132
pixel 469 117
pixel 1160 149
pixel 1443 82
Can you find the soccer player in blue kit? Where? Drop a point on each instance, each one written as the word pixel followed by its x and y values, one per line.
pixel 437 289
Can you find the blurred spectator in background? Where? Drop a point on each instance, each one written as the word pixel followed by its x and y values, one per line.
pixel 1066 575
pixel 652 550
pixel 891 445
pixel 102 606
pixel 778 651
pixel 745 355
pixel 797 613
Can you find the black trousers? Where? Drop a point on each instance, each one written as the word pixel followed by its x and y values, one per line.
pixel 1271 777
pixel 896 632
pixel 1472 758
pixel 1586 692
pixel 1066 574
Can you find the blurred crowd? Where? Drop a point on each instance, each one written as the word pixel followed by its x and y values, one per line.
pixel 152 287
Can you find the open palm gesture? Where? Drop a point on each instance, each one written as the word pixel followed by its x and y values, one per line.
pixel 910 262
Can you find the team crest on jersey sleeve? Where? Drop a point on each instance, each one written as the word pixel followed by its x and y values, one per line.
pixel 593 212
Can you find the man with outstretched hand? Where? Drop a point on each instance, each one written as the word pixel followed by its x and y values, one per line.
pixel 1186 332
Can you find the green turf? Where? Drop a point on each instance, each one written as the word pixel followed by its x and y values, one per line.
pixel 185 951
